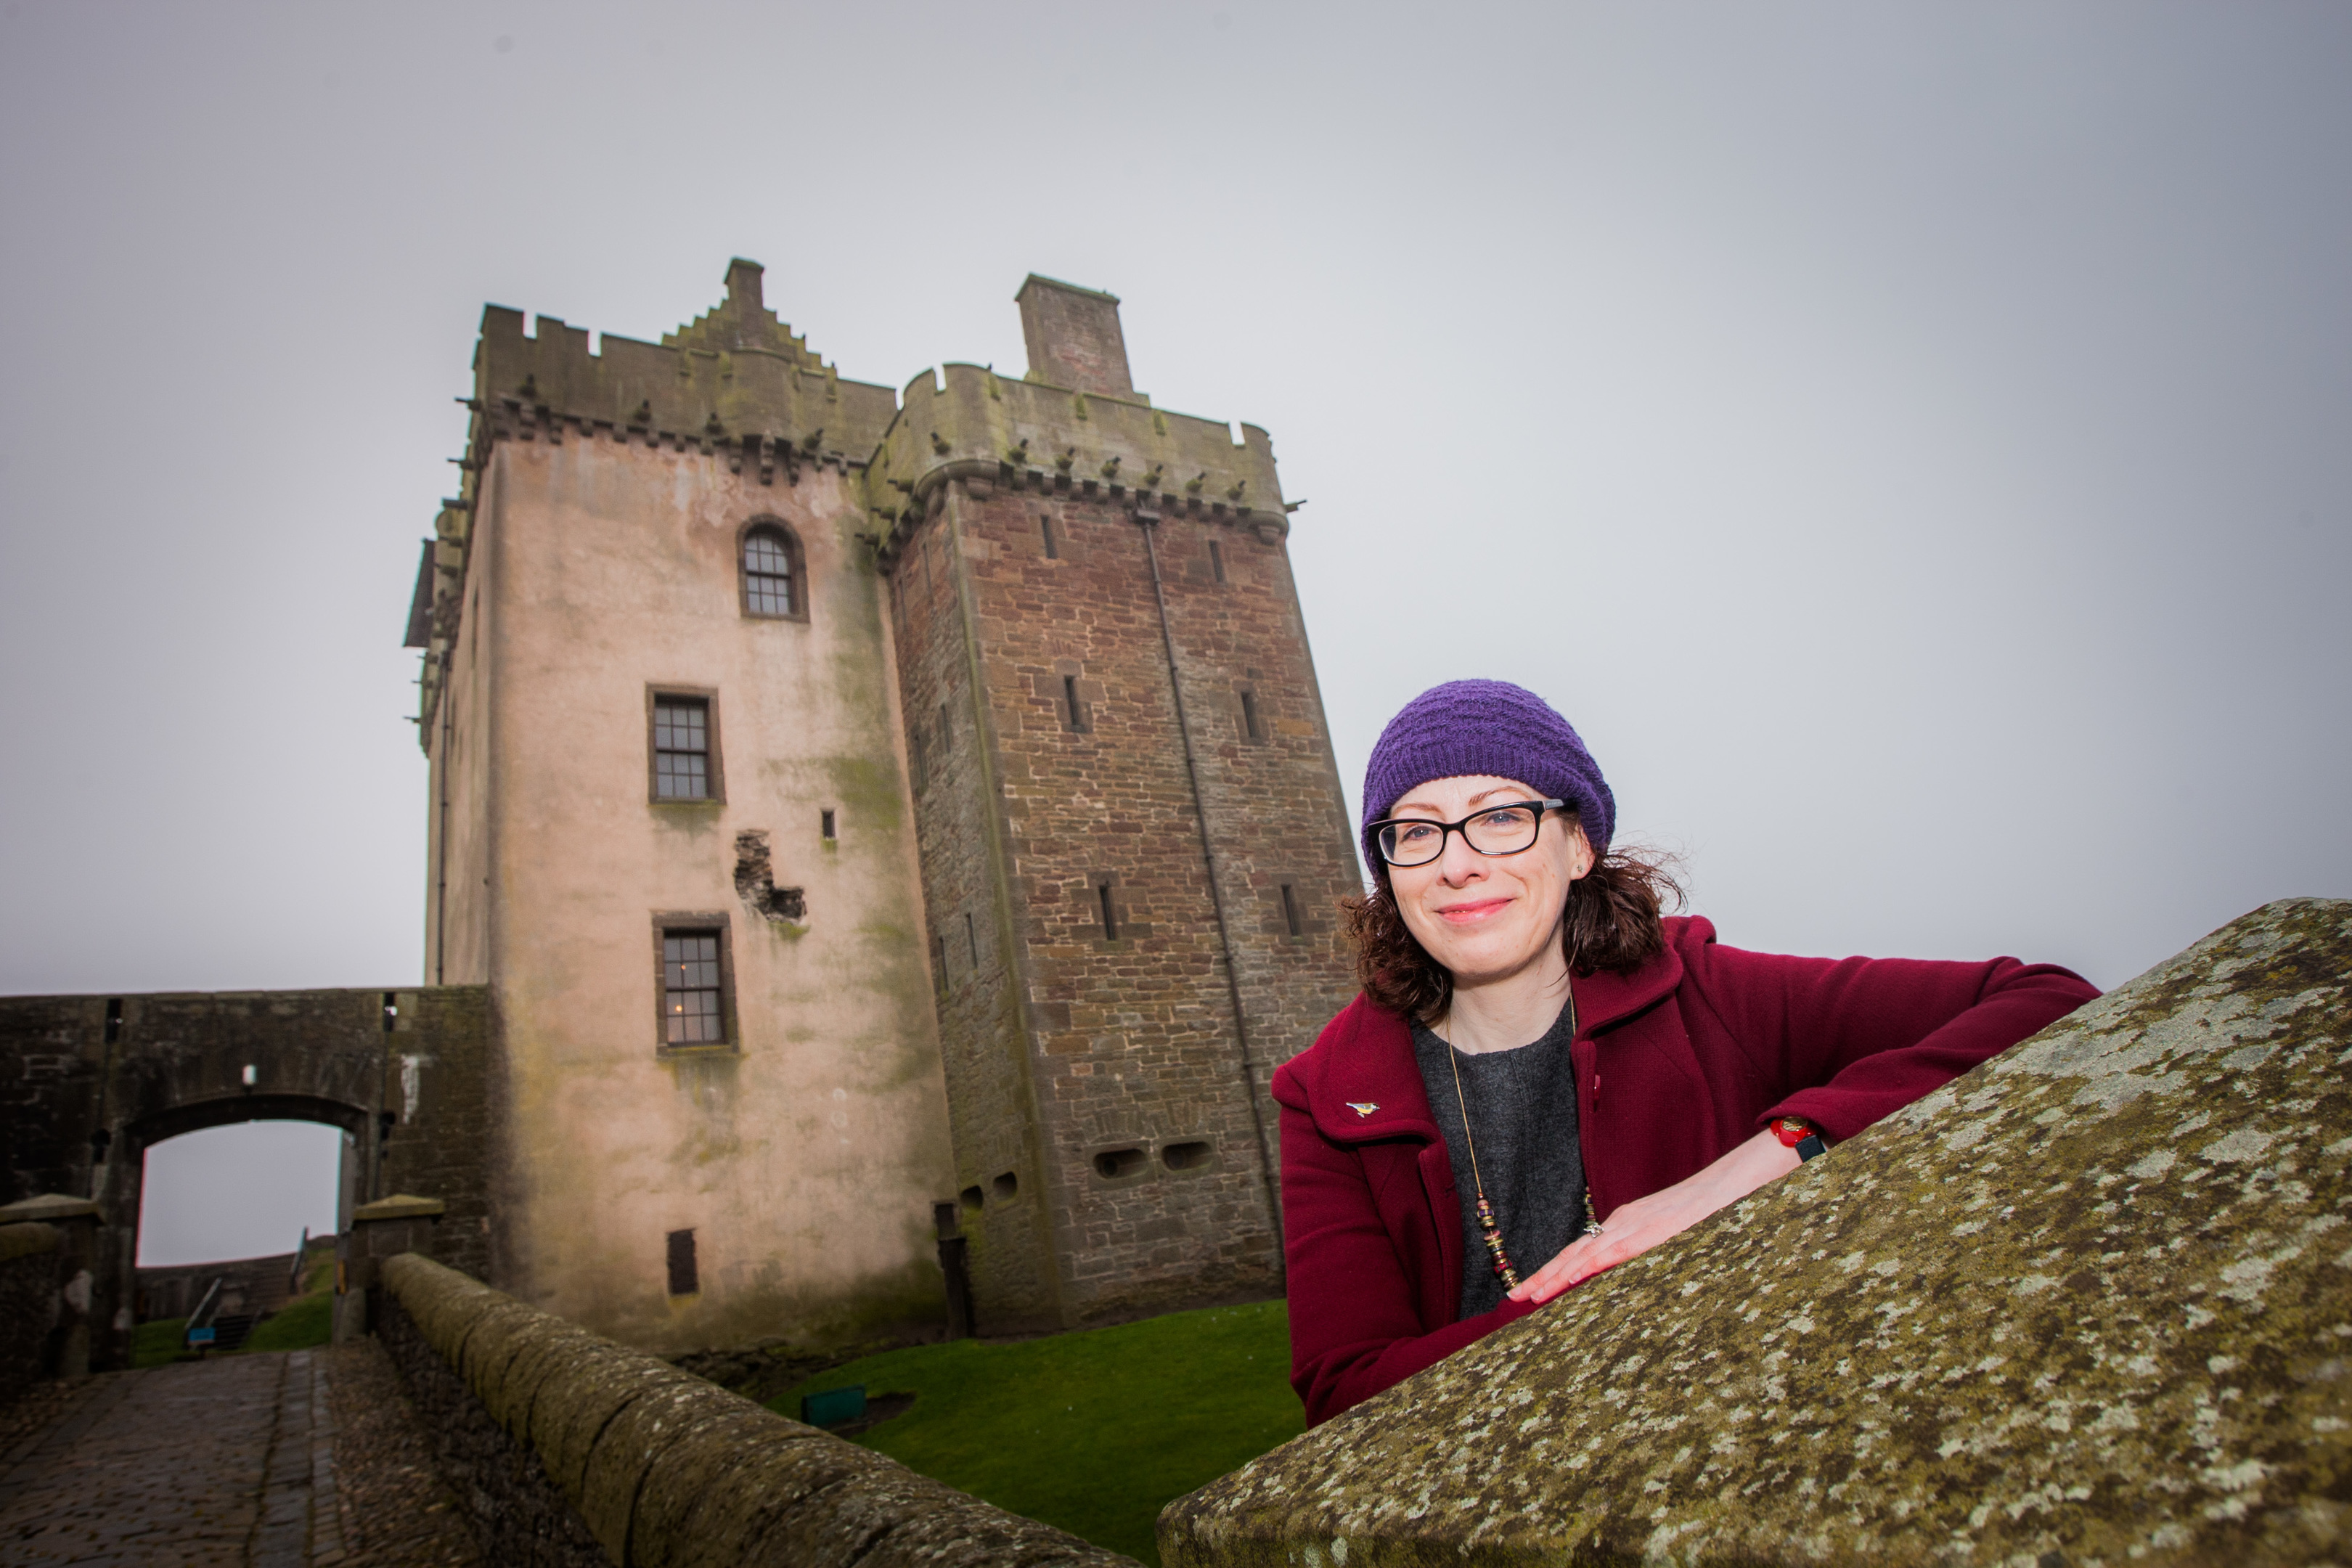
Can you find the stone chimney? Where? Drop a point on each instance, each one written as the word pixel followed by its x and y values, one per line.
pixel 1073 337
pixel 743 285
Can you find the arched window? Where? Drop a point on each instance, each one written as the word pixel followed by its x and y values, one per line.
pixel 774 580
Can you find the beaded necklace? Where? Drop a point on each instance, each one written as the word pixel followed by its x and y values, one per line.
pixel 1489 1230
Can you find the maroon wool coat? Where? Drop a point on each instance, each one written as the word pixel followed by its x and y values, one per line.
pixel 1676 1064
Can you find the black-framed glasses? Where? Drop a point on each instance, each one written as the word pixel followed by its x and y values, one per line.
pixel 1497 830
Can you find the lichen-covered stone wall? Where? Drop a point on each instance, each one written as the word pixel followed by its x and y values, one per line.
pixel 565 1448
pixel 2090 1303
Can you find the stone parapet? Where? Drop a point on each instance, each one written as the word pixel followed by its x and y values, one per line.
pixel 384 1229
pixel 2090 1302
pixel 567 1449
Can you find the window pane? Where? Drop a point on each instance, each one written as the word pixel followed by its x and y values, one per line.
pixel 769 595
pixel 690 990
pixel 767 572
pixel 680 726
pixel 680 775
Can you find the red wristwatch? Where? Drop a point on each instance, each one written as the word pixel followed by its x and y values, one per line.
pixel 1796 1132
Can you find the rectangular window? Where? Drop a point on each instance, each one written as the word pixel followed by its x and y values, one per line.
pixel 1074 713
pixel 694 981
pixel 1216 561
pixel 1290 911
pixel 1251 725
pixel 1052 545
pixel 1110 915
pixel 684 746
pixel 685 1277
pixel 826 829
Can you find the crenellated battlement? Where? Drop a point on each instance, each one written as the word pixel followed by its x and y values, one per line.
pixel 968 422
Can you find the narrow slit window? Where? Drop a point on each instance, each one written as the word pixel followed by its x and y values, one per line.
pixel 1052 545
pixel 947 736
pixel 691 992
pixel 920 753
pixel 685 1276
pixel 1216 561
pixel 972 938
pixel 942 974
pixel 1109 916
pixel 113 1019
pixel 826 827
pixel 1249 721
pixel 1290 911
pixel 1074 713
pixel 681 748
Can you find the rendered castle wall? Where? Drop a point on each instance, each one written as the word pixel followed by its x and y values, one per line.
pixel 601 562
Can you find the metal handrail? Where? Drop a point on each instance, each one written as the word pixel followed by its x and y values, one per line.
pixel 195 1319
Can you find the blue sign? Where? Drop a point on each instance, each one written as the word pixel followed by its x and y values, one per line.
pixel 204 1336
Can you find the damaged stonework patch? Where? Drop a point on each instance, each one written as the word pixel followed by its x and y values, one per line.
pixel 2090 1302
pixel 755 882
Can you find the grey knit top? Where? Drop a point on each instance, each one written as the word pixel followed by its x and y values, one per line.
pixel 1522 1106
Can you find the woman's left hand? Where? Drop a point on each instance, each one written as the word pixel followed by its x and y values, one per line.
pixel 1633 1229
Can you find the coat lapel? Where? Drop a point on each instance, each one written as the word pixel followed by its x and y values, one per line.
pixel 1372 1090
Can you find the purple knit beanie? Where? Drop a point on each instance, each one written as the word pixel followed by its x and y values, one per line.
pixel 1468 727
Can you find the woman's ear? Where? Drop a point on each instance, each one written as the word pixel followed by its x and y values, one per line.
pixel 1580 858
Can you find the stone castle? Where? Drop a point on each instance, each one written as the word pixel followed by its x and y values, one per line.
pixel 871 834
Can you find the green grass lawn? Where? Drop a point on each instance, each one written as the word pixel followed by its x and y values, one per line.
pixel 157 1343
pixel 1094 1432
pixel 303 1324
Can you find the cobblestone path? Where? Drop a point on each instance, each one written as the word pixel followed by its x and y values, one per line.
pixel 231 1462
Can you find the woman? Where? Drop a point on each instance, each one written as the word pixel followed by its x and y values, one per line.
pixel 1543 1078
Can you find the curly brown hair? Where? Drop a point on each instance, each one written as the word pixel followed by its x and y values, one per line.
pixel 1614 923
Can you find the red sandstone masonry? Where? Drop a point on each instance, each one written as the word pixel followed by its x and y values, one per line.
pixel 1131 1042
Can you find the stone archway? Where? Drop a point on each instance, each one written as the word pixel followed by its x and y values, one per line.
pixel 87 1084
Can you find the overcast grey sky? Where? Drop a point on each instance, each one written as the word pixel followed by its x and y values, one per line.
pixel 1913 444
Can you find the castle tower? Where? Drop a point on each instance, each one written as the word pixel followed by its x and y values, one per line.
pixel 1131 829
pixel 870 830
